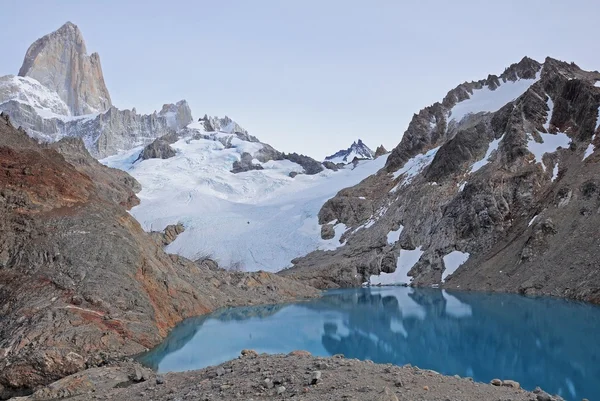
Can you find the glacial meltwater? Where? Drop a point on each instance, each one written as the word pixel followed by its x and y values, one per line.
pixel 546 342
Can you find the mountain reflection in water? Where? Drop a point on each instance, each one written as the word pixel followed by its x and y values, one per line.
pixel 544 342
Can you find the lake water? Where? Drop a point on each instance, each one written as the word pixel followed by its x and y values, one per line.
pixel 546 342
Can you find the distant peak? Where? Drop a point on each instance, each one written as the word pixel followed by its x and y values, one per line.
pixel 357 150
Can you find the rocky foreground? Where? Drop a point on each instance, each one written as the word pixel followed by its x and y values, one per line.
pixel 81 283
pixel 297 376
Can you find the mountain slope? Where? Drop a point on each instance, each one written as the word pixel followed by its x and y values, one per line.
pixel 464 186
pixel 80 281
pixel 259 219
pixel 357 149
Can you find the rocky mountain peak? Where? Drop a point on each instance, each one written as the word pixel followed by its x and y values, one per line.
pixel 357 149
pixel 527 68
pixel 178 115
pixel 60 62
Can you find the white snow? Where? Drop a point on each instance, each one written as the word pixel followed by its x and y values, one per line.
pixel 597 84
pixel 550 104
pixel 413 167
pixel 555 172
pixel 262 219
pixel 46 103
pixel 461 186
pixel 29 91
pixel 550 143
pixel 456 308
pixel 491 148
pixel 453 261
pixel 406 261
pixel 486 100
pixel 334 243
pixel 591 148
pixel 393 236
pixel 532 220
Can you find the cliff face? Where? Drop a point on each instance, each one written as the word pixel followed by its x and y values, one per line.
pixel 60 91
pixel 501 175
pixel 80 281
pixel 104 134
pixel 60 62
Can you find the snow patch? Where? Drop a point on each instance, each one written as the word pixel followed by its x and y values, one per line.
pixel 555 172
pixel 393 236
pixel 486 100
pixel 597 84
pixel 406 261
pixel 491 148
pixel 413 167
pixel 550 104
pixel 453 261
pixel 550 143
pixel 591 148
pixel 334 243
pixel 532 220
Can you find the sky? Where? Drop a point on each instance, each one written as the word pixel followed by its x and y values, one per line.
pixel 305 76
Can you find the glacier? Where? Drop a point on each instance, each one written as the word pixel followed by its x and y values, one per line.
pixel 257 220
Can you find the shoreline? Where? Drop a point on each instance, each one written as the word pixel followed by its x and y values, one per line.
pixel 297 375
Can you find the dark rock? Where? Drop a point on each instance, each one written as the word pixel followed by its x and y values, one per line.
pixel 327 231
pixel 245 164
pixel 330 165
pixel 380 151
pixel 310 165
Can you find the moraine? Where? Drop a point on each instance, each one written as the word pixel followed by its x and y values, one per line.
pixel 546 342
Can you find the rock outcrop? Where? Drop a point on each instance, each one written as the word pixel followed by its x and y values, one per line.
pixel 511 191
pixel 177 115
pixel 80 280
pixel 60 62
pixel 245 164
pixel 380 151
pixel 160 148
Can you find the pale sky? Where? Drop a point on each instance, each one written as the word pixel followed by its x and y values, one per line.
pixel 306 76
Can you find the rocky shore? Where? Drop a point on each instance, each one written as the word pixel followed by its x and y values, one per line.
pixel 297 376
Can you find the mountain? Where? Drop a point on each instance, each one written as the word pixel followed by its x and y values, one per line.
pixel 60 92
pixel 60 62
pixel 80 281
pixel 261 204
pixel 357 149
pixel 494 188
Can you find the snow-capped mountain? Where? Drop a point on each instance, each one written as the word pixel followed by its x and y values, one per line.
pixel 357 149
pixel 261 218
pixel 60 91
pixel 494 188
pixel 240 200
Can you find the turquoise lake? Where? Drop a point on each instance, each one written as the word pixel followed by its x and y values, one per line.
pixel 546 342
